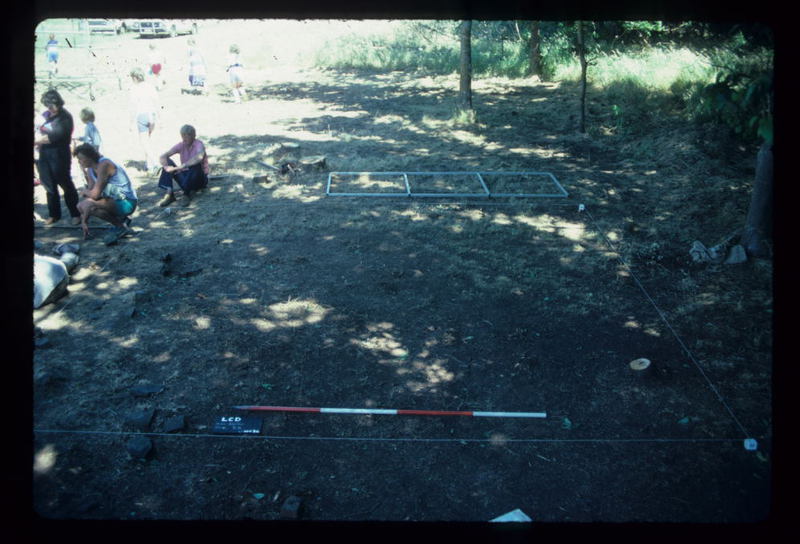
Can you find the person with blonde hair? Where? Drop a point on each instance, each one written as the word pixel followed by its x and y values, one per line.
pixel 235 75
pixel 143 106
pixel 51 48
pixel 197 67
pixel 90 134
pixel 156 67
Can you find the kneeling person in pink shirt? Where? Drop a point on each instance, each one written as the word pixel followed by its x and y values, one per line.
pixel 192 172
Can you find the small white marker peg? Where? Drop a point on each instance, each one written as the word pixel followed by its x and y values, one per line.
pixel 581 207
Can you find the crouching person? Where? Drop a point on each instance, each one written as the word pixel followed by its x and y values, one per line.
pixel 108 194
pixel 192 172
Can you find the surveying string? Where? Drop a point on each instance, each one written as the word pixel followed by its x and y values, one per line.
pixel 390 412
pixel 671 329
pixel 449 440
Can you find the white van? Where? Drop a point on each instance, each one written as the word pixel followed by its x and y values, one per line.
pixel 106 26
pixel 166 27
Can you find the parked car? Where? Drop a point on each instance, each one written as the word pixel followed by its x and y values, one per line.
pixel 106 26
pixel 166 27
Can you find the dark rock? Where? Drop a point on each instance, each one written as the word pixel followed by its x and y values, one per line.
pixel 41 343
pixel 166 268
pixel 50 375
pixel 70 260
pixel 189 273
pixel 146 390
pixel 140 419
pixel 139 446
pixel 174 424
pixel 291 507
pixel 61 249
pixel 737 255
pixel 89 503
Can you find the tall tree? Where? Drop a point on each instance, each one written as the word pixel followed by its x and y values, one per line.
pixel 535 51
pixel 742 97
pixel 581 48
pixel 465 86
pixel 758 225
pixel 757 230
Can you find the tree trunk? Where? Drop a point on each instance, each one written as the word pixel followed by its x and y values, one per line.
pixel 758 226
pixel 535 65
pixel 465 87
pixel 582 58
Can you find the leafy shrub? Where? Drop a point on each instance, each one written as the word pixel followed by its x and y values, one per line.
pixel 740 96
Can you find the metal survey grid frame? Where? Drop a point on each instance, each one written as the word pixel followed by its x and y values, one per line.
pixel 561 193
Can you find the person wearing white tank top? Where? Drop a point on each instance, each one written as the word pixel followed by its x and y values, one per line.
pixel 108 195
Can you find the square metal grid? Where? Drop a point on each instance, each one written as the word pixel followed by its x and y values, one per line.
pixel 482 189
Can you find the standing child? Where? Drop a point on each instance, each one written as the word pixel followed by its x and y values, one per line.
pixel 90 134
pixel 143 107
pixel 235 69
pixel 197 68
pixel 52 54
pixel 156 67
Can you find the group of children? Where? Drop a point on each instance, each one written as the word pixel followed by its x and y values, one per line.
pixel 197 70
pixel 156 62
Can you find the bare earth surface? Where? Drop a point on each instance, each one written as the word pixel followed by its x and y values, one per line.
pixel 266 291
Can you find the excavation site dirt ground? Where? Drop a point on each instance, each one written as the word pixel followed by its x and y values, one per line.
pixel 267 291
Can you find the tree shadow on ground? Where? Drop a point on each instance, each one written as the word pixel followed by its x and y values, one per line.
pixel 508 305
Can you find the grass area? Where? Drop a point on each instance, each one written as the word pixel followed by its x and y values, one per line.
pixel 433 47
pixel 668 76
pixel 632 84
pixel 656 69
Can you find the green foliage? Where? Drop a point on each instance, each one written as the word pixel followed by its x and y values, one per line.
pixel 499 48
pixel 741 94
pixel 500 58
pixel 557 50
pixel 430 47
pixel 464 118
pixel 708 71
pixel 632 103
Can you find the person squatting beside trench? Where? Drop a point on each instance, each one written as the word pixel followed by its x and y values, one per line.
pixel 109 194
pixel 192 172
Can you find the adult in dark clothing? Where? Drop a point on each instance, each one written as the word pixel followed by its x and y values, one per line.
pixel 54 164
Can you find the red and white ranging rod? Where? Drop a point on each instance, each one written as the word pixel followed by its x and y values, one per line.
pixel 390 412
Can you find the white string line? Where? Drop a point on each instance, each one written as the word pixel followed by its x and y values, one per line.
pixel 636 279
pixel 395 439
pixel 669 326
